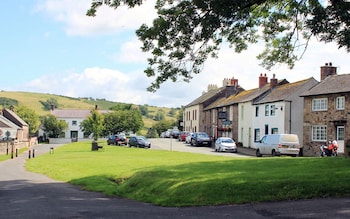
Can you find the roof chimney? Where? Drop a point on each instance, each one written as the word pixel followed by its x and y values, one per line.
pixel 262 80
pixel 327 70
pixel 273 81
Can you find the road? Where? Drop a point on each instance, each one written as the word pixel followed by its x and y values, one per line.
pixel 175 145
pixel 29 195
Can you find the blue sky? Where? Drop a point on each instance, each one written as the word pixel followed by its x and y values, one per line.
pixel 50 46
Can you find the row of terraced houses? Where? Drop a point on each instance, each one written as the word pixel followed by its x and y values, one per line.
pixel 317 111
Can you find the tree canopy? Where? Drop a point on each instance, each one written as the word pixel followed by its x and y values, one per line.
pixel 30 117
pixel 187 32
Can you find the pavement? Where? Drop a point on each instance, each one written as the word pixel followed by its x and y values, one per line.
pixel 29 195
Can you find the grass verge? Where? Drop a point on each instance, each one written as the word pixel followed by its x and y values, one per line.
pixel 170 178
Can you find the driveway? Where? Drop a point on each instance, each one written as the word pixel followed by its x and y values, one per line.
pixel 33 196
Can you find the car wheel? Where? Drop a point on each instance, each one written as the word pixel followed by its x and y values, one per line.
pixel 258 154
pixel 273 153
pixel 193 142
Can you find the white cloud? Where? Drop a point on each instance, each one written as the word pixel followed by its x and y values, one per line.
pixel 107 20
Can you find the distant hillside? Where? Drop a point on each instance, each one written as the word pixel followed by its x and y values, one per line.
pixel 34 101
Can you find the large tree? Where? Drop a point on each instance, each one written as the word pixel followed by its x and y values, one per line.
pixel 93 124
pixel 53 127
pixel 187 32
pixel 30 117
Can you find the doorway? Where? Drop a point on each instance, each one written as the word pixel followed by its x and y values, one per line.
pixel 340 138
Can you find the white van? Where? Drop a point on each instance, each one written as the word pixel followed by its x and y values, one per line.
pixel 278 144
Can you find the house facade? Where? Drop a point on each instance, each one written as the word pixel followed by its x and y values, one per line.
pixel 281 110
pixel 73 118
pixel 327 112
pixel 195 119
pixel 13 130
pixel 315 111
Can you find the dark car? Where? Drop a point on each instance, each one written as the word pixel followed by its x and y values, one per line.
pixel 200 139
pixel 139 141
pixel 112 140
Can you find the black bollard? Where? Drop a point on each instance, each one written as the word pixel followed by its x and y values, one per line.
pixel 16 152
pixel 33 153
pixel 12 152
pixel 29 154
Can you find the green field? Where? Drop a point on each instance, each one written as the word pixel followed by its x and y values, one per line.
pixel 170 178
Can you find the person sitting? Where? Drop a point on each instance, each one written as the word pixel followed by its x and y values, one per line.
pixel 335 148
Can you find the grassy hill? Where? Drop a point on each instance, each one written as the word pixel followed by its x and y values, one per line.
pixel 34 101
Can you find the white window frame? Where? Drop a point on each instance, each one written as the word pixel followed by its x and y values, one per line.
pixel 319 104
pixel 267 110
pixel 340 103
pixel 319 133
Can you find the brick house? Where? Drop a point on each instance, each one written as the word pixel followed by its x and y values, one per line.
pixel 327 112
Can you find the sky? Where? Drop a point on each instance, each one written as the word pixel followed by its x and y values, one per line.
pixel 51 46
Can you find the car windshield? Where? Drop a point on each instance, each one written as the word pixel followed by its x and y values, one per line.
pixel 141 138
pixel 227 140
pixel 202 135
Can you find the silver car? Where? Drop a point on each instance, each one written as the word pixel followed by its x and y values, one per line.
pixel 225 144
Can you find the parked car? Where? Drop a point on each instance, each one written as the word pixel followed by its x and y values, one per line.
pixel 139 142
pixel 200 138
pixel 121 139
pixel 112 140
pixel 188 138
pixel 174 133
pixel 183 135
pixel 225 144
pixel 278 144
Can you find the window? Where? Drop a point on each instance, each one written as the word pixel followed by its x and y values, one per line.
pixel 319 104
pixel 340 101
pixel 256 135
pixel 274 131
pixel 319 133
pixel 267 110
pixel 256 111
pixel 272 110
pixel 74 122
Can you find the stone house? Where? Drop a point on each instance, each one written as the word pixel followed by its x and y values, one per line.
pixel 193 116
pixel 13 129
pixel 327 112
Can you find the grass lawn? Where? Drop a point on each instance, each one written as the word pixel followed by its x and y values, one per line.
pixel 8 156
pixel 170 178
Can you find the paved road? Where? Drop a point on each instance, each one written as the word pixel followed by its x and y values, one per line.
pixel 175 145
pixel 33 196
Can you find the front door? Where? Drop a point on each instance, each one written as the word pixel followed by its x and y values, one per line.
pixel 340 138
pixel 74 136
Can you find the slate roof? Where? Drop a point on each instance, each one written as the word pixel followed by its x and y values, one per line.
pixel 330 85
pixel 243 96
pixel 13 117
pixel 284 92
pixel 205 96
